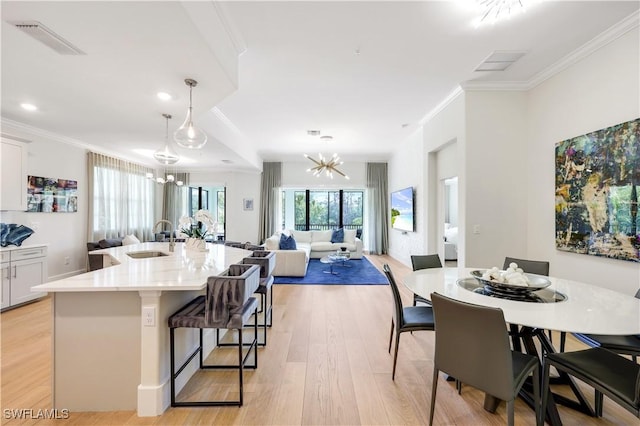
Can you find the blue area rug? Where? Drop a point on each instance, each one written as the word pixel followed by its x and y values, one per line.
pixel 356 272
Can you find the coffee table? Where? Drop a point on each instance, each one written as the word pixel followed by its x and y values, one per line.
pixel 333 259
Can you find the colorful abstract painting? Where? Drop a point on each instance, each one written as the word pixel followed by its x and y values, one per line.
pixel 50 195
pixel 597 175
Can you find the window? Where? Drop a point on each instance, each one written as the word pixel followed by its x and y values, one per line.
pixel 122 197
pixel 321 210
pixel 220 202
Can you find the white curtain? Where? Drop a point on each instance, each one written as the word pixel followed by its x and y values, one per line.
pixel 175 203
pixel 121 198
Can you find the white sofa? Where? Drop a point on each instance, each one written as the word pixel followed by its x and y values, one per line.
pixel 309 245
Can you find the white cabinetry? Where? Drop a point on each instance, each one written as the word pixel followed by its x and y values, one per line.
pixel 13 175
pixel 21 270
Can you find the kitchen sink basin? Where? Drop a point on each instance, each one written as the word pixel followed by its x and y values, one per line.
pixel 146 254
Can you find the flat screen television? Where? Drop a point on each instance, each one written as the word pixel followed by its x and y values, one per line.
pixel 402 210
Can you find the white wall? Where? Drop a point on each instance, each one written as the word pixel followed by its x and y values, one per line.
pixel 241 225
pixel 496 190
pixel 65 233
pixel 600 91
pixel 444 139
pixel 405 169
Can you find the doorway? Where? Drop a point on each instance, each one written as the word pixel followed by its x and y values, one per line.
pixel 450 232
pixel 212 199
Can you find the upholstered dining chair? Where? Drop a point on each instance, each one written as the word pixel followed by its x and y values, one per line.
pixel 538 267
pixel 625 345
pixel 463 329
pixel 607 372
pixel 410 318
pixel 226 305
pixel 424 261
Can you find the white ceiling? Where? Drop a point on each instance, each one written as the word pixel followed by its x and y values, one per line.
pixel 364 72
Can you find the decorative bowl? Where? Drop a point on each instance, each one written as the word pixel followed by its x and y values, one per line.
pixel 536 282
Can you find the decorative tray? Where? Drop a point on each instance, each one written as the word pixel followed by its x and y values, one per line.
pixel 536 282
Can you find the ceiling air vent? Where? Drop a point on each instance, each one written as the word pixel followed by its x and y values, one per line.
pixel 499 60
pixel 43 34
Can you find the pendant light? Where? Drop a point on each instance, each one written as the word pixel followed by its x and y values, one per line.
pixel 187 135
pixel 166 155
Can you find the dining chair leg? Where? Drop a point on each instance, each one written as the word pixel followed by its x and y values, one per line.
pixel 395 356
pixel 599 401
pixel 537 396
pixel 510 416
pixel 545 391
pixel 390 336
pixel 563 340
pixel 434 388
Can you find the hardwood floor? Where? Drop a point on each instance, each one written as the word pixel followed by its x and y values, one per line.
pixel 326 363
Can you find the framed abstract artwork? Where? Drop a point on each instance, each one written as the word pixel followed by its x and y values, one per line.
pixel 51 195
pixel 596 194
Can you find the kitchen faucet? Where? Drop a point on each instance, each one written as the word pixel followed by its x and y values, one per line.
pixel 172 242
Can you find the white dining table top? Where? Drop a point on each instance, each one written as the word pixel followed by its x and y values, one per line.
pixel 587 309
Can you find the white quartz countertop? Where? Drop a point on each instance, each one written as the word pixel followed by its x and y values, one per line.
pixel 11 247
pixel 181 270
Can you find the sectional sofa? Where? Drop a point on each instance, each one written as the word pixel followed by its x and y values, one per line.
pixel 309 245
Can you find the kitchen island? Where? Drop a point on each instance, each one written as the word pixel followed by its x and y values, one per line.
pixel 110 334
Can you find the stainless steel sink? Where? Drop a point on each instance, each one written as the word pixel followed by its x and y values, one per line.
pixel 145 254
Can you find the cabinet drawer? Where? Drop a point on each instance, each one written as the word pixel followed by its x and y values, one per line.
pixel 4 256
pixel 29 253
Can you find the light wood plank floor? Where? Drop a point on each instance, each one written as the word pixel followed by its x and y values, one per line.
pixel 326 363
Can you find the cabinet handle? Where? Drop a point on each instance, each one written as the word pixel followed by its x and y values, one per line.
pixel 8 273
pixel 15 272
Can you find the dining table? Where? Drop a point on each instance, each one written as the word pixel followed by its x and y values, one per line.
pixel 564 305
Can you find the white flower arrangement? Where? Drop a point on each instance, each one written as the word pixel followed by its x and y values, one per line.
pixel 202 216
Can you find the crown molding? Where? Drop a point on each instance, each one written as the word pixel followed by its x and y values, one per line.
pixel 36 132
pixel 472 85
pixel 442 105
pixel 43 133
pixel 230 27
pixel 616 31
pixel 613 33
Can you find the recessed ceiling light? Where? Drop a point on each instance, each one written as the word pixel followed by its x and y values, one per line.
pixel 326 138
pixel 405 125
pixel 227 161
pixel 164 96
pixel 28 107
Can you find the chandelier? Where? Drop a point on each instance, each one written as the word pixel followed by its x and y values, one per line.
pixel 326 166
pixel 166 155
pixel 188 135
pixel 496 10
pixel 167 179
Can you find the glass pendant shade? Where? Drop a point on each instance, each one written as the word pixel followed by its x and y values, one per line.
pixel 166 155
pixel 188 135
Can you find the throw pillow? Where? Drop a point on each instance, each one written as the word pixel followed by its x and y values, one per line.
pixel 337 236
pixel 18 235
pixel 110 242
pixel 287 242
pixel 131 239
pixel 350 236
